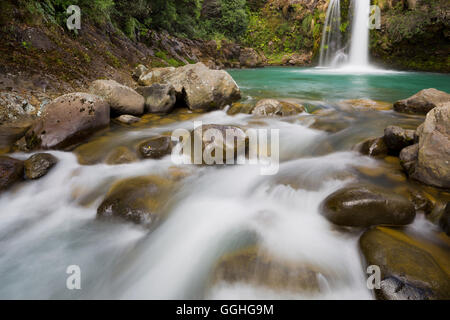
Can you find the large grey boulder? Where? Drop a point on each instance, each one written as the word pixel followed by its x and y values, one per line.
pixel 67 120
pixel 159 98
pixel 423 101
pixel 197 86
pixel 429 160
pixel 122 99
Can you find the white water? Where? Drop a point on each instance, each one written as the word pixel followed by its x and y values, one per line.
pixel 333 54
pixel 49 224
pixel 359 47
pixel 331 46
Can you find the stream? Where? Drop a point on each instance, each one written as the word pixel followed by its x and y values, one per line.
pixel 50 224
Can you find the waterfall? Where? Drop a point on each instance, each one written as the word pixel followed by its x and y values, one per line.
pixel 332 51
pixel 331 44
pixel 359 47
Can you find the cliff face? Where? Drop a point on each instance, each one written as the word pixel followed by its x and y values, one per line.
pixel 414 35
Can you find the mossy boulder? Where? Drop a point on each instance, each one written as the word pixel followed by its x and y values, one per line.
pixel 139 200
pixel 38 165
pixel 272 107
pixel 156 148
pixel 364 206
pixel 411 267
pixel 257 267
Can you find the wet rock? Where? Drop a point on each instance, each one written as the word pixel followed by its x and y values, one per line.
pixel 238 107
pixel 429 160
pixel 423 101
pixel 156 148
pixel 365 104
pixel 397 139
pixel 128 119
pixel 249 58
pixel 11 171
pixel 214 139
pixel 421 202
pixel 374 147
pixel 159 98
pixel 364 206
pixel 139 200
pixel 11 132
pixel 139 71
pixel 411 268
pixel 67 120
pixel 444 221
pixel 121 155
pixel 38 165
pixel 122 99
pixel 259 268
pixel 272 107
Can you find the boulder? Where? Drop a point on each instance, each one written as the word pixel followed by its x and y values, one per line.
pixel 374 147
pixel 257 267
pixel 38 165
pixel 423 101
pixel 121 155
pixel 272 107
pixel 67 120
pixel 128 119
pixel 249 58
pixel 411 267
pixel 429 160
pixel 397 139
pixel 139 200
pixel 227 150
pixel 159 98
pixel 122 99
pixel 153 76
pixel 156 148
pixel 11 171
pixel 364 206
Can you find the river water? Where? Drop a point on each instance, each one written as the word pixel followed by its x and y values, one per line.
pixel 49 224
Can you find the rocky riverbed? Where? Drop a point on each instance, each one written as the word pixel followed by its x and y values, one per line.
pixel 88 177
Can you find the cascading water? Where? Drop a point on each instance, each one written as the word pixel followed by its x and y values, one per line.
pixel 331 40
pixel 333 52
pixel 359 47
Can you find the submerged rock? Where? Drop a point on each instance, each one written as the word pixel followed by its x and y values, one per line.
pixel 128 119
pixel 121 155
pixel 139 200
pixel 256 267
pixel 226 150
pixel 411 268
pixel 159 98
pixel 122 99
pixel 272 107
pixel 397 139
pixel 374 147
pixel 67 120
pixel 38 165
pixel 364 206
pixel 11 171
pixel 156 148
pixel 423 101
pixel 429 160
pixel 365 104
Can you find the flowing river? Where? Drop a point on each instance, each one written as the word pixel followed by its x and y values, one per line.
pixel 50 224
